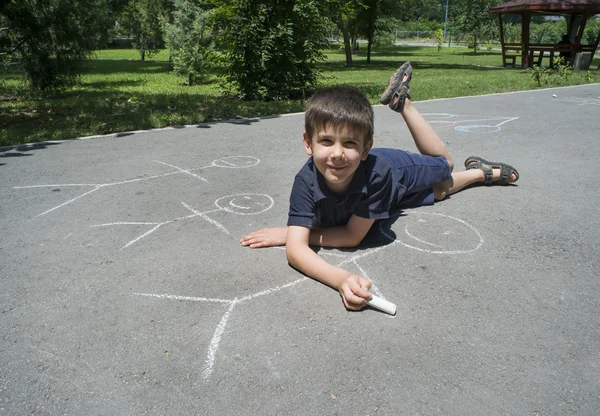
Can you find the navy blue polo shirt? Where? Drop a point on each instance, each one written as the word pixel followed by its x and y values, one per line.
pixel 386 182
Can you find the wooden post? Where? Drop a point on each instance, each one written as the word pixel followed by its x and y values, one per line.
pixel 502 40
pixel 577 48
pixel 526 20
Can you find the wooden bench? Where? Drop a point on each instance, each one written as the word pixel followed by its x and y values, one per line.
pixel 510 52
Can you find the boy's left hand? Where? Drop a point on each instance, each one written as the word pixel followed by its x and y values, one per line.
pixel 267 237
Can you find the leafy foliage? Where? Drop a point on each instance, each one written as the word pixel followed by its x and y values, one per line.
pixel 51 38
pixel 188 41
pixel 142 20
pixel 272 47
pixel 472 17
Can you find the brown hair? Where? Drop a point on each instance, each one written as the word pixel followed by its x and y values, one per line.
pixel 339 107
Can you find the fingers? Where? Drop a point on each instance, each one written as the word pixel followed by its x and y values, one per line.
pixel 355 293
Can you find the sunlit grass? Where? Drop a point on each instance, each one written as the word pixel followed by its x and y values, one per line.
pixel 118 92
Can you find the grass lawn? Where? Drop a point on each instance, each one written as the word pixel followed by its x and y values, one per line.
pixel 118 92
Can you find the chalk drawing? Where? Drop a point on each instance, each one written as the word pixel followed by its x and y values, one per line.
pixel 453 120
pixel 231 162
pixel 253 204
pixel 582 101
pixel 419 218
pixel 415 242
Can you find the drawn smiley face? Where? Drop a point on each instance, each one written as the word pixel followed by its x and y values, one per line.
pixel 436 233
pixel 245 204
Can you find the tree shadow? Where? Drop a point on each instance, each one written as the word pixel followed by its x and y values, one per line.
pixel 114 66
pixel 19 150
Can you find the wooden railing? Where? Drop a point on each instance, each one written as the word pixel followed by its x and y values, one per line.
pixel 537 52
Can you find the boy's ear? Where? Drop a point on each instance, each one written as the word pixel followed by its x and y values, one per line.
pixel 307 144
pixel 367 149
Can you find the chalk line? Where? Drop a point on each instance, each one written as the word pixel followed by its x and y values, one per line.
pixel 213 347
pixel 207 218
pixel 175 297
pixel 68 202
pixel 181 170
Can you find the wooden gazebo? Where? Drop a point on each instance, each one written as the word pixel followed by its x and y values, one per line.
pixel 577 13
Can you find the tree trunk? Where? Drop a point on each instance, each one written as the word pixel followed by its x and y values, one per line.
pixel 369 49
pixel 475 44
pixel 143 55
pixel 347 48
pixel 354 44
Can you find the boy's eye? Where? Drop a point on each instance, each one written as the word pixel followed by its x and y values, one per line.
pixel 351 144
pixel 326 141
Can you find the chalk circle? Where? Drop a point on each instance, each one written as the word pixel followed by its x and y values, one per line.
pixel 443 123
pixel 245 204
pixel 236 162
pixel 428 116
pixel 478 129
pixel 436 233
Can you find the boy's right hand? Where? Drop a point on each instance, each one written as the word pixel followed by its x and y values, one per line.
pixel 355 292
pixel 267 237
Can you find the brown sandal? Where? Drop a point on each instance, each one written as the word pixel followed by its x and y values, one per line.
pixel 398 87
pixel 506 171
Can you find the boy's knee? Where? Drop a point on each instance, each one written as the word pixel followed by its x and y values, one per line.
pixel 439 192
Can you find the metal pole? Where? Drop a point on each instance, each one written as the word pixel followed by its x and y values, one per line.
pixel 446 20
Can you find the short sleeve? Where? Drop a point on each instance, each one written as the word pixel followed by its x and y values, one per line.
pixel 377 203
pixel 302 204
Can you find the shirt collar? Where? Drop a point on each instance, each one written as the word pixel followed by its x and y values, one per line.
pixel 358 185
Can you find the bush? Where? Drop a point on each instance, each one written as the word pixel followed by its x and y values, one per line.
pixel 273 47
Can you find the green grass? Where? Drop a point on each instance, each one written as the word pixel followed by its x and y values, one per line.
pixel 118 92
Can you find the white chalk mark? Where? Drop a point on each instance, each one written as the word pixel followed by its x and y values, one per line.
pixel 69 201
pixel 142 236
pixel 260 203
pixel 175 297
pixel 213 347
pixel 124 223
pixel 228 163
pixel 418 239
pixel 363 273
pixel 273 289
pixel 182 170
pixel 249 162
pixel 479 244
pixel 236 162
pixel 207 218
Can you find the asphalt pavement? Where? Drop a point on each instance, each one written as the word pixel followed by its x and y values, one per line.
pixel 125 290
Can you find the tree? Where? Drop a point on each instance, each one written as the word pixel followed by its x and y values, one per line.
pixel 143 21
pixel 51 38
pixel 472 18
pixel 271 46
pixel 188 41
pixel 345 14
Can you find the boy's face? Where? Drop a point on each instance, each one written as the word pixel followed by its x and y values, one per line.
pixel 337 154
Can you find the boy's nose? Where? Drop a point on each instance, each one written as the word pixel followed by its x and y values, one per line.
pixel 338 151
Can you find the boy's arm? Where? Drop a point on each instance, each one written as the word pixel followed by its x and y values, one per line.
pixel 349 235
pixel 354 289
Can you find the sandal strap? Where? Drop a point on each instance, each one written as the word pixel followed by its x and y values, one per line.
pixel 485 168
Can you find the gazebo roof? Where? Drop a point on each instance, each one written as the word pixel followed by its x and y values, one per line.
pixel 548 6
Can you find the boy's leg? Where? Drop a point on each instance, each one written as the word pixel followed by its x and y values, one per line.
pixel 461 180
pixel 426 139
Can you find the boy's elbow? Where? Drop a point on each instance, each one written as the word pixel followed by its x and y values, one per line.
pixel 291 255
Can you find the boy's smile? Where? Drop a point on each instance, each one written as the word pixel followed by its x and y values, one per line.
pixel 337 153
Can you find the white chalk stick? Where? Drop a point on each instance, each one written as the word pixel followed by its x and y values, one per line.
pixel 383 305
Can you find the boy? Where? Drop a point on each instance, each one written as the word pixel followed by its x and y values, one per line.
pixel 346 185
